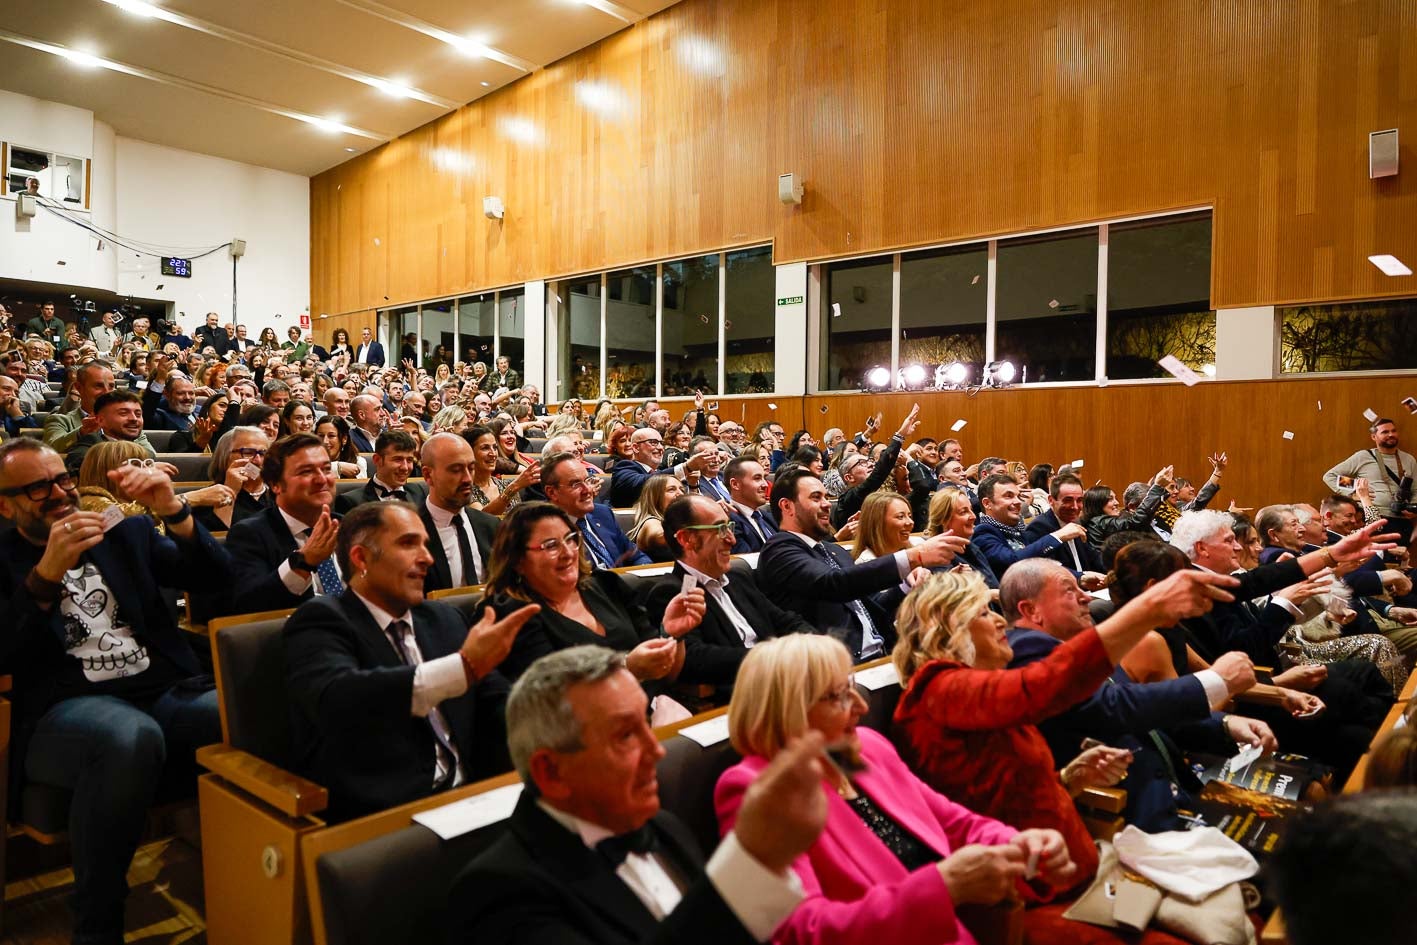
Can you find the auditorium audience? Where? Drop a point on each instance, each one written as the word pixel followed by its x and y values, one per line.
pixel 460 537
pixel 896 859
pixel 648 532
pixel 1103 515
pixel 952 513
pixel 120 417
pixel 333 431
pixel 395 459
pixel 492 494
pixel 62 430
pixel 566 486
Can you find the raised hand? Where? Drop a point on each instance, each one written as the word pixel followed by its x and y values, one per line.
pixel 684 613
pixel 490 640
pixel 69 538
pixel 911 421
pixel 321 543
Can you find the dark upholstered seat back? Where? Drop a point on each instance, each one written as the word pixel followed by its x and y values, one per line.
pixel 250 670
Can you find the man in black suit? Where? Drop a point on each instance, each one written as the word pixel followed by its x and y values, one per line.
pixel 924 456
pixel 588 857
pixel 1064 508
pixel 106 686
pixel 212 335
pixel 748 488
pixel 459 538
pixel 170 397
pixel 736 615
pixel 285 554
pixel 393 697
pixel 810 574
pixel 395 456
pixel 368 419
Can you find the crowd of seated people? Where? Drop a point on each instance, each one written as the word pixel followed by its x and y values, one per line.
pixel 1026 615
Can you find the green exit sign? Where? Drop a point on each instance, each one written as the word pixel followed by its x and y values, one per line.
pixel 791 300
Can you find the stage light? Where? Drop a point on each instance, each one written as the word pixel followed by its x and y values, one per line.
pixel 914 375
pixel 878 377
pixel 956 373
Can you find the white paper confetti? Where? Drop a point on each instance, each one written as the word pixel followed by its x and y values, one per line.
pixel 1052 303
pixel 1371 417
pixel 836 310
pixel 1173 365
pixel 1076 464
pixel 1288 435
pixel 1321 405
pixel 772 406
pixel 974 281
pixel 1410 403
pixel 958 425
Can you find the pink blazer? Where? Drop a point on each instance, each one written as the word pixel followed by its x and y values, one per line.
pixel 857 891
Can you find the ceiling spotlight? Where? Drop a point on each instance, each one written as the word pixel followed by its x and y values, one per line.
pixel 915 375
pixel 80 58
pixel 137 7
pixel 878 377
pixel 392 89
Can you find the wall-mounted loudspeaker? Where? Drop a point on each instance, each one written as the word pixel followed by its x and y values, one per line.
pixel 1382 154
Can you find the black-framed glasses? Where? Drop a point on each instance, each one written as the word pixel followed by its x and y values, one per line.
pixel 249 452
pixel 571 542
pixel 40 489
pixel 724 529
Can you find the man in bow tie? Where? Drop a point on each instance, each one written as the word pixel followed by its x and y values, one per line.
pixel 395 458
pixel 589 857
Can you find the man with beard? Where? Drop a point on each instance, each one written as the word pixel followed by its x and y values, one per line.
pixel 120 417
pixel 285 554
pixel 804 571
pixel 459 538
pixel 1000 537
pixel 1385 467
pixel 393 697
pixel 105 685
pixel 169 399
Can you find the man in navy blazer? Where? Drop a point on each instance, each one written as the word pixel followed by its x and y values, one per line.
pixel 806 572
pixel 751 514
pixel 392 697
pixel 369 352
pixel 285 554
pixel 564 480
pixel 1065 507
pixel 646 451
pixel 999 537
pixel 105 685
pixel 169 399
pixel 1045 606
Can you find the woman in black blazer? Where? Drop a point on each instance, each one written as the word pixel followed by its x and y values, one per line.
pixel 537 558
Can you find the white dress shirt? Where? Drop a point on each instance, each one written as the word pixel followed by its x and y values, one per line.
pixel 715 588
pixel 448 535
pixel 758 897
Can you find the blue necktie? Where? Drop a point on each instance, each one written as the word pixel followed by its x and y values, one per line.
pixel 765 523
pixel 872 645
pixel 599 554
pixel 330 583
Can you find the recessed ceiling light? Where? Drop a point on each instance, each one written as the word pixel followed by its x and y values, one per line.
pixel 395 89
pixel 80 58
pixel 137 7
pixel 1390 265
pixel 349 149
pixel 486 84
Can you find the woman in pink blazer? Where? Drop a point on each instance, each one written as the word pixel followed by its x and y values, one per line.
pixel 896 857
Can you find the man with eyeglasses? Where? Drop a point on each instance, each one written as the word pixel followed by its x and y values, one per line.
pixel 105 685
pixel 169 399
pixel 700 536
pixel 459 538
pixel 31 391
pixel 646 450
pixel 285 554
pixel 392 696
pixel 120 417
pixel 568 488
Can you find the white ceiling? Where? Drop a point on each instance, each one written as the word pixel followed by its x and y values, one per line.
pixel 233 118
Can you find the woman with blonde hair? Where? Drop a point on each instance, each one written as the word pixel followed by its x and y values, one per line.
pixel 895 858
pixel 442 374
pixel 97 491
pixel 967 725
pixel 563 423
pixel 452 419
pixel 885 527
pixel 648 529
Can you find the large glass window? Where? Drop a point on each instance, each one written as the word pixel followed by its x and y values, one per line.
pixel 629 329
pixel 511 336
pixel 477 328
pixel 579 327
pixel 402 323
pixel 1158 296
pixel 856 322
pixel 944 310
pixel 749 322
pixel 1046 308
pixel 690 326
pixel 437 335
pixel 1380 335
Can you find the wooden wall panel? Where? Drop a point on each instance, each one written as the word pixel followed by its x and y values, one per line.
pixel 1127 432
pixel 912 122
pixel 352 322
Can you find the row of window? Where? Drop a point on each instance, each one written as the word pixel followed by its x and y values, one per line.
pixel 1082 305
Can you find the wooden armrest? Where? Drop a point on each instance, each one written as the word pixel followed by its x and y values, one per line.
pixel 1111 800
pixel 1274 932
pixel 288 793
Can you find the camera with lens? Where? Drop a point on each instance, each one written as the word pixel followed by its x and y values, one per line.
pixel 1402 501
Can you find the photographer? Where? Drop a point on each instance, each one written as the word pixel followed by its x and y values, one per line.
pixel 1388 471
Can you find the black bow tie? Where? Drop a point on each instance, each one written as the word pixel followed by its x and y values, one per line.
pixel 385 493
pixel 616 848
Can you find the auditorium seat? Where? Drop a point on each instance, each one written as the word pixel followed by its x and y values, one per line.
pixel 160 439
pixel 625 518
pixel 598 460
pixel 191 467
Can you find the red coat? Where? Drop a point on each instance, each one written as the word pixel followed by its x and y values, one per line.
pixel 971 735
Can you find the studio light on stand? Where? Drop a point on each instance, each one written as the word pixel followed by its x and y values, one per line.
pixel 878 378
pixel 999 374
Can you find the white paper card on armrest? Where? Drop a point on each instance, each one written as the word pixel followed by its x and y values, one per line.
pixel 471 813
pixel 710 733
pixel 751 557
pixel 878 677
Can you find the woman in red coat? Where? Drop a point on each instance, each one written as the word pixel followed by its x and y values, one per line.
pixel 967 726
